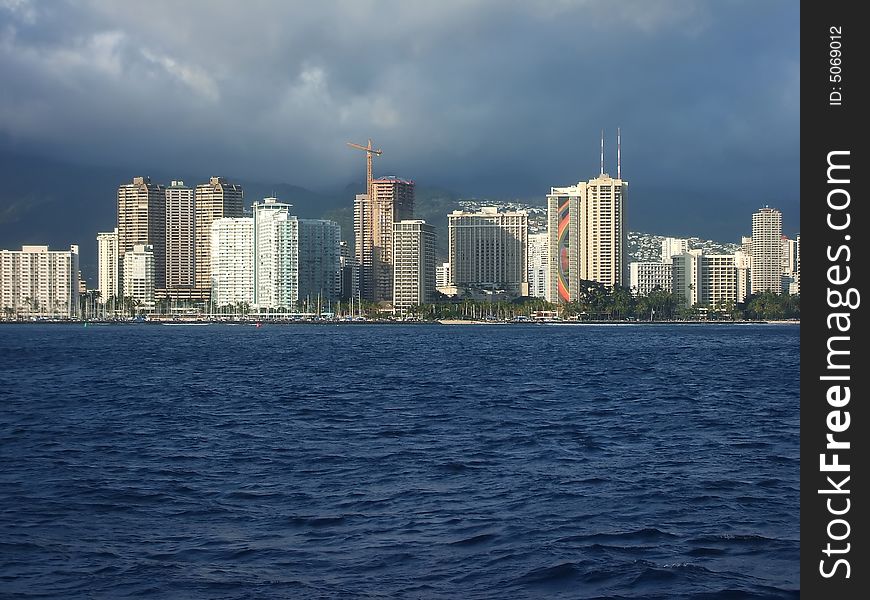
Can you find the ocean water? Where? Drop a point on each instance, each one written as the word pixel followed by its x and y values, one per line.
pixel 418 461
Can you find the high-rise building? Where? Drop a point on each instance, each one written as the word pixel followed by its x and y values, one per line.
pixel 672 246
pixel 142 221
pixel 232 262
pixel 349 272
pixel 214 200
pixel 180 275
pixel 796 286
pixel 108 281
pixel 743 265
pixel 319 261
pixel 140 268
pixel 539 264
pixel 488 251
pixel 392 200
pixel 686 276
pixel 413 264
pixel 710 280
pixel 645 277
pixel 38 282
pixel 587 236
pixel 442 276
pixel 276 255
pixel 766 273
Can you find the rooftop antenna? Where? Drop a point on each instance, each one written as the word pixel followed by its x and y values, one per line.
pixel 618 155
pixel 602 152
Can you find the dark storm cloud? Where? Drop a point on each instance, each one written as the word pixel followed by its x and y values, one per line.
pixel 488 97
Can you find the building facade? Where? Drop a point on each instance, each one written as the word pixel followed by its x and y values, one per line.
pixel 349 273
pixel 392 200
pixel 180 243
pixel 646 277
pixel 232 262
pixel 766 252
pixel 319 261
pixel 142 221
pixel 108 282
pixel 140 266
pixel 217 199
pixel 413 265
pixel 488 251
pixel 588 236
pixel 36 282
pixel 672 246
pixel 276 255
pixel 539 264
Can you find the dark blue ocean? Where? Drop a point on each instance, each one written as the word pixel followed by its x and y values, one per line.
pixel 403 461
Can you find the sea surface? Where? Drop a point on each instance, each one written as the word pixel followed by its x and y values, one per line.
pixel 399 461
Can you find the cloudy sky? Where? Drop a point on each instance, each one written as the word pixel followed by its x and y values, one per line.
pixel 484 97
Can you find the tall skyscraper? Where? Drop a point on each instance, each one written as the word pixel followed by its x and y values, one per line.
pixel 587 236
pixel 180 276
pixel 276 255
pixel 38 282
pixel 142 221
pixel 108 282
pixel 214 200
pixel 539 264
pixel 766 272
pixel 319 261
pixel 392 200
pixel 488 251
pixel 413 264
pixel 232 261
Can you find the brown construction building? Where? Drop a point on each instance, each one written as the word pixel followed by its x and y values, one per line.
pixel 142 220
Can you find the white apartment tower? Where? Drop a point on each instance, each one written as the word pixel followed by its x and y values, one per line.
pixel 766 246
pixel 38 282
pixel 673 246
pixel 645 277
pixel 232 261
pixel 539 264
pixel 140 265
pixel 108 282
pixel 180 243
pixel 214 200
pixel 413 264
pixel 276 255
pixel 488 250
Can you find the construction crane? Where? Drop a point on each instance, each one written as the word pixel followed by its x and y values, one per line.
pixel 369 152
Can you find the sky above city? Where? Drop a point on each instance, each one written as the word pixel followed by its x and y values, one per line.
pixel 490 98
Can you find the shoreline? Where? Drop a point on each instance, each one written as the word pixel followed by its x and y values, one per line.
pixel 262 322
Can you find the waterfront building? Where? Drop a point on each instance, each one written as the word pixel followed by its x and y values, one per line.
pixel 142 221
pixel 413 264
pixel 217 199
pixel 718 280
pixel 539 264
pixel 319 261
pixel 232 262
pixel 392 200
pixel 140 267
pixel 588 236
pixel 686 277
pixel 442 275
pixel 766 275
pixel 276 255
pixel 645 277
pixel 488 251
pixel 743 265
pixel 795 287
pixel 672 246
pixel 180 244
pixel 38 282
pixel 108 281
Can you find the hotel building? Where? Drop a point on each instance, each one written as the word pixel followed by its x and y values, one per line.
pixel 142 221
pixel 38 282
pixel 108 282
pixel 413 264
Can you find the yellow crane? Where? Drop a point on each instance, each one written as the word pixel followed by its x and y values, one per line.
pixel 369 152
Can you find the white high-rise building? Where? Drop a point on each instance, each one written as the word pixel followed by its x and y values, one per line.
pixel 107 265
pixel 539 264
pixel 687 276
pixel 588 236
pixel 766 271
pixel 139 273
pixel 488 251
pixel 413 264
pixel 38 282
pixel 232 261
pixel 743 264
pixel 442 275
pixel 276 255
pixel 707 279
pixel 645 277
pixel 673 246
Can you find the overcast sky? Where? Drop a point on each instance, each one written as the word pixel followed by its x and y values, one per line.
pixel 489 97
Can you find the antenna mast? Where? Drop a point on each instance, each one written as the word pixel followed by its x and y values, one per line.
pixel 602 152
pixel 618 155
